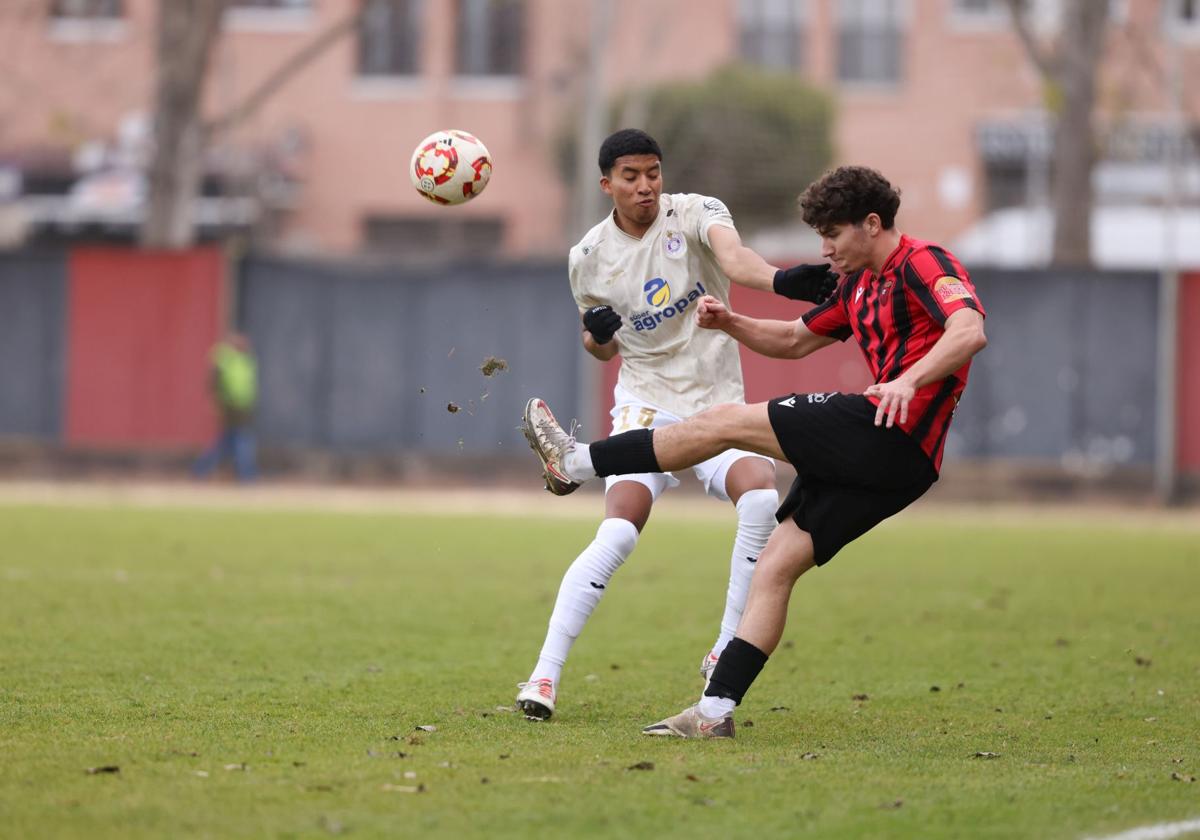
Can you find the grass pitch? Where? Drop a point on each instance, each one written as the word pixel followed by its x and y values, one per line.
pixel 263 674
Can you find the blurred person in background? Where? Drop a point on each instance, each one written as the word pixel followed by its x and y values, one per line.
pixel 234 385
pixel 859 458
pixel 636 278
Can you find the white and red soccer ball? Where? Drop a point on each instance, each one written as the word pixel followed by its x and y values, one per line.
pixel 450 167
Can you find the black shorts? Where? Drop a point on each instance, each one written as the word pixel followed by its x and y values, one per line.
pixel 850 474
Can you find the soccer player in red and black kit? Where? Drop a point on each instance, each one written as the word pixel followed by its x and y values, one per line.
pixel 859 458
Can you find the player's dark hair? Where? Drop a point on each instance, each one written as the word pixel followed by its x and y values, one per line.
pixel 627 141
pixel 847 195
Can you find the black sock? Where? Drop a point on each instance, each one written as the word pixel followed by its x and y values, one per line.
pixel 737 668
pixel 629 452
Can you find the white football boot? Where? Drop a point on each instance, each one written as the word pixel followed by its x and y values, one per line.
pixel 550 443
pixel 536 699
pixel 691 724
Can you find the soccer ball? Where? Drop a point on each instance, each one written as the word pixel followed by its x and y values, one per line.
pixel 450 167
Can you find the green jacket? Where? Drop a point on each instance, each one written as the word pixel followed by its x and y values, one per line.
pixel 236 378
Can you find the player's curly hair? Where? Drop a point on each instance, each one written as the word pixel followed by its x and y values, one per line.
pixel 627 141
pixel 847 195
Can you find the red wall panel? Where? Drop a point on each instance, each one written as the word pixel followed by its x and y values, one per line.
pixel 839 367
pixel 1189 374
pixel 140 328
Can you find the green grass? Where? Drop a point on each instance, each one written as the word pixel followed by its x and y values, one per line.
pixel 175 643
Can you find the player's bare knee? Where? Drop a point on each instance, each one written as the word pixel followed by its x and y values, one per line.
pixel 783 565
pixel 721 423
pixel 629 500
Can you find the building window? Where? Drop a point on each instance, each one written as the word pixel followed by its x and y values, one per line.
pixel 870 41
pixel 983 8
pixel 490 37
pixel 1045 16
pixel 1184 11
pixel 771 33
pixel 387 38
pixel 412 236
pixel 982 14
pixel 271 4
pixel 86 9
pixel 1182 15
pixel 269 15
pixel 87 20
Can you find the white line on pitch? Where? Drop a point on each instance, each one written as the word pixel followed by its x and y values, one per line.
pixel 1162 831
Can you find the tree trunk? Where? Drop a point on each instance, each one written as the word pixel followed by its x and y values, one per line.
pixel 1075 154
pixel 187 31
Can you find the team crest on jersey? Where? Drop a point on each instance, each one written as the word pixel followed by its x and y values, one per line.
pixel 658 291
pixel 949 289
pixel 674 245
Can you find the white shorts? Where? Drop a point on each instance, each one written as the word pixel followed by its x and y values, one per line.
pixel 631 412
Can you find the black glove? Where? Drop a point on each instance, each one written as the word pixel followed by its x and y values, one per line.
pixel 601 322
pixel 806 282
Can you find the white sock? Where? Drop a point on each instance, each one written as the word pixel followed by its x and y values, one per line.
pixel 577 463
pixel 716 707
pixel 580 592
pixel 756 520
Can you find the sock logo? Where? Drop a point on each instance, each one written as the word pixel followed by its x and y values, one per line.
pixel 596 585
pixel 751 559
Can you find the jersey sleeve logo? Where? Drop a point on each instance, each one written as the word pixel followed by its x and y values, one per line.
pixel 715 206
pixel 658 291
pixel 949 289
pixel 674 245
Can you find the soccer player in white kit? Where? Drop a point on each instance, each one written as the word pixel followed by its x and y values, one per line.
pixel 636 277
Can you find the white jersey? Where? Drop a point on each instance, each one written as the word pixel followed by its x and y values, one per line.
pixel 653 283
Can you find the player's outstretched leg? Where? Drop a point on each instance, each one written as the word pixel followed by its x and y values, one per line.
pixel 789 554
pixel 566 464
pixel 582 587
pixel 756 520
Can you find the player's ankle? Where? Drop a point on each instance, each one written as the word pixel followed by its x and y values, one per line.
pixel 716 707
pixel 577 463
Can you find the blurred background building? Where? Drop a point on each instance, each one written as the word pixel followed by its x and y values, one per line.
pixel 939 94
pixel 1050 143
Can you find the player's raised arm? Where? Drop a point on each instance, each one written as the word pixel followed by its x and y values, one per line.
pixel 745 267
pixel 777 339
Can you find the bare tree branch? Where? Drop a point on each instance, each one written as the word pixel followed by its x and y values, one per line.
pixel 1021 25
pixel 283 74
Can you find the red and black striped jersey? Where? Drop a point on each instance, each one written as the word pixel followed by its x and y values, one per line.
pixel 896 317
